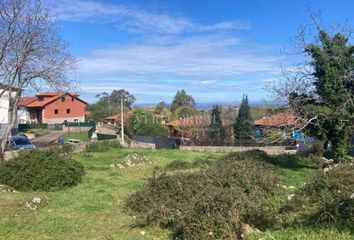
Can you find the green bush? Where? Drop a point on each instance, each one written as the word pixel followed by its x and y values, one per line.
pixel 183 165
pixel 41 171
pixel 318 148
pixel 210 203
pixel 178 165
pixel 328 198
pixel 101 146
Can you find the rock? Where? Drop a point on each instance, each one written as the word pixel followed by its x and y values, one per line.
pixel 327 163
pixel 291 196
pixel 244 230
pixel 36 200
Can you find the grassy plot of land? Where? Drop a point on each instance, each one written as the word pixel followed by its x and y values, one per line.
pixel 83 136
pixel 94 208
pixel 91 210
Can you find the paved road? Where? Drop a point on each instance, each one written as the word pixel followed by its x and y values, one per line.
pixel 48 139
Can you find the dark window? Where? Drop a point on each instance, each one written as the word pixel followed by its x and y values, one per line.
pixel 40 98
pixel 72 99
pixel 68 111
pixel 63 99
pixel 56 111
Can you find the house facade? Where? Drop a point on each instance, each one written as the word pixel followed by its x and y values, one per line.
pixel 52 108
pixel 4 104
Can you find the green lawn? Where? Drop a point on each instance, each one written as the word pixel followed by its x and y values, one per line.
pixel 94 208
pixel 83 136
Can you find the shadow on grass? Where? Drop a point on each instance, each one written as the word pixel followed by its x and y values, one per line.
pixel 292 162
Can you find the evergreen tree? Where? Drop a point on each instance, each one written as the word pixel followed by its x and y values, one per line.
pixel 243 128
pixel 217 133
pixel 183 104
pixel 330 103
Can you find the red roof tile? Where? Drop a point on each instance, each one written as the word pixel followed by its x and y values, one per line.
pixel 117 117
pixel 23 101
pixel 48 97
pixel 277 120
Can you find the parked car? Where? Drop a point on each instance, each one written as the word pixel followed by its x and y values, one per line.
pixel 19 143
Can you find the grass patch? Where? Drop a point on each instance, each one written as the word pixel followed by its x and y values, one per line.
pixel 93 209
pixel 83 136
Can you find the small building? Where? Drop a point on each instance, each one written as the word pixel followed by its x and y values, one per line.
pixel 52 108
pixel 195 128
pixel 280 127
pixel 115 119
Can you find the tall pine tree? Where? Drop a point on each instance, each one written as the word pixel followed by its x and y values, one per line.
pixel 243 128
pixel 217 133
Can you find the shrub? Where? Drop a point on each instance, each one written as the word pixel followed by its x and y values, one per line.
pixel 178 165
pixel 318 148
pixel 183 165
pixel 210 203
pixel 328 198
pixel 42 171
pixel 101 146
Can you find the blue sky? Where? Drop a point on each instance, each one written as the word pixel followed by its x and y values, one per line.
pixel 217 50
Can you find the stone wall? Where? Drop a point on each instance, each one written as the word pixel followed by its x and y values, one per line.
pixel 136 144
pixel 75 129
pixel 271 150
pixel 80 147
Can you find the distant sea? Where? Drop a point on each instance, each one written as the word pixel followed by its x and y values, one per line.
pixel 210 105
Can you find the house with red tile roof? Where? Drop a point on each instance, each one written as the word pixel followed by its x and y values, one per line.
pixel 115 119
pixel 196 127
pixel 52 108
pixel 280 120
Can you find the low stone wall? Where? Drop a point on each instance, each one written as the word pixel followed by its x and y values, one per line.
pixel 71 129
pixel 136 144
pixel 80 147
pixel 271 150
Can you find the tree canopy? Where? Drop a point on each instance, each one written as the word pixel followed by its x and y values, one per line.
pixel 217 133
pixel 243 128
pixel 183 104
pixel 329 107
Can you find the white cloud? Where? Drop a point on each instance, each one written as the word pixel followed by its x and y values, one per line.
pixel 134 19
pixel 207 82
pixel 216 56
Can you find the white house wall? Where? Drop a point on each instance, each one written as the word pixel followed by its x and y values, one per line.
pixel 4 108
pixel 23 115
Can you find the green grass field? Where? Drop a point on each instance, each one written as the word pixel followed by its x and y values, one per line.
pixel 83 136
pixel 94 208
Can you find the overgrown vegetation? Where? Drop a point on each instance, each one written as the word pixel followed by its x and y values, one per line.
pixel 143 122
pixel 41 170
pixel 211 203
pixel 102 146
pixel 240 188
pixel 327 199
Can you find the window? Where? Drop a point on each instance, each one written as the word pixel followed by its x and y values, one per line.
pixel 68 111
pixel 63 99
pixel 56 111
pixel 72 99
pixel 40 98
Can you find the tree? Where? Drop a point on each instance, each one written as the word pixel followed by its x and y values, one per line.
pixel 243 128
pixel 161 107
pixel 183 104
pixel 109 103
pixel 217 133
pixel 32 54
pixel 143 123
pixel 322 94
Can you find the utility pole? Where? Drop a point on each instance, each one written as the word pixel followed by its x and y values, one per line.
pixel 122 119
